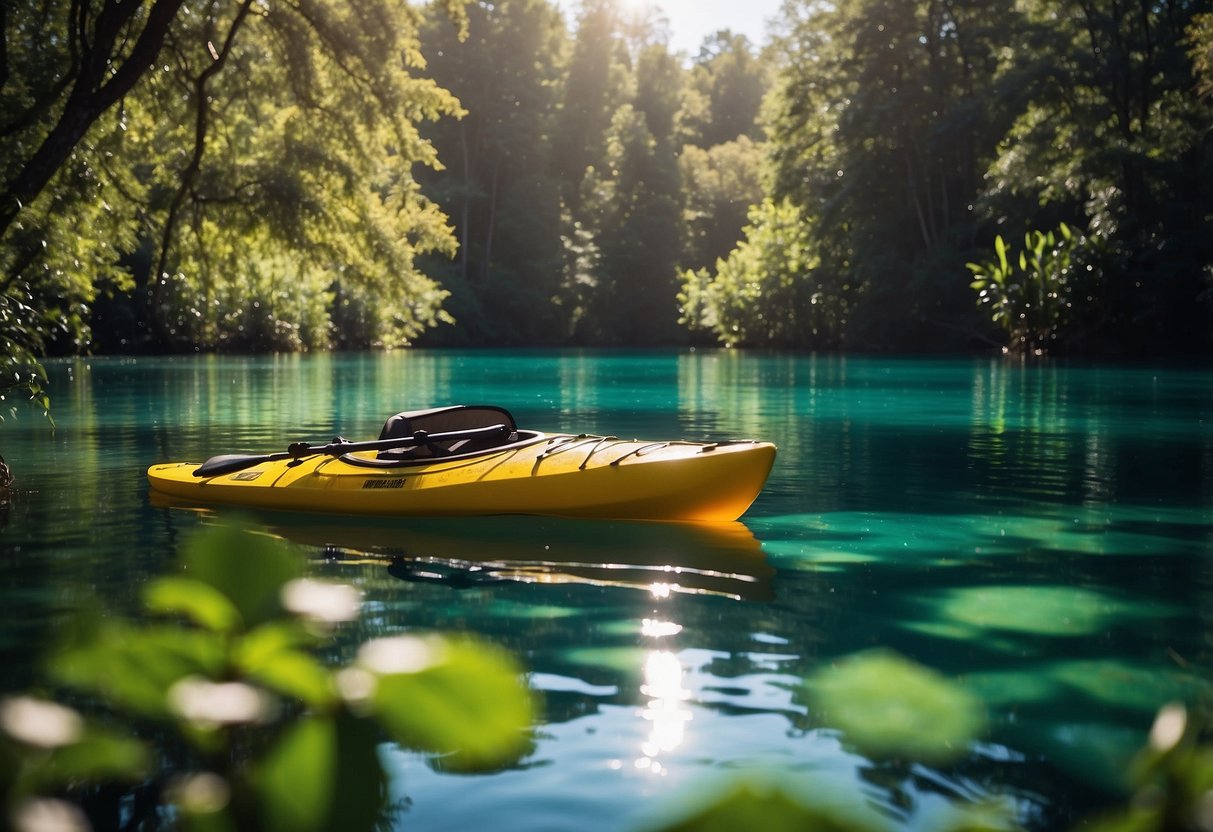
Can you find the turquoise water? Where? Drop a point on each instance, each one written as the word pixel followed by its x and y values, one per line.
pixel 1043 534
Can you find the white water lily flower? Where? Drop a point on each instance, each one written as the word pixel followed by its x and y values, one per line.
pixel 356 685
pixel 320 601
pixel 219 703
pixel 40 723
pixel 49 815
pixel 1169 727
pixel 401 654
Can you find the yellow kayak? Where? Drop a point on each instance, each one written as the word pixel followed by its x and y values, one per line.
pixel 475 461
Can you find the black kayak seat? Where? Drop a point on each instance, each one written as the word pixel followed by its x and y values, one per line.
pixel 443 420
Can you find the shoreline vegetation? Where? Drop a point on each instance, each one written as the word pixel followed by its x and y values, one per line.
pixel 180 177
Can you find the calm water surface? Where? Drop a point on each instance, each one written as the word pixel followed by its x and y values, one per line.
pixel 1042 534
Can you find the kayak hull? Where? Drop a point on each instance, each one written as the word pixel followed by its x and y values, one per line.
pixel 553 474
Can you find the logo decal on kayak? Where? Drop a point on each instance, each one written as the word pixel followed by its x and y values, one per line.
pixel 246 476
pixel 398 482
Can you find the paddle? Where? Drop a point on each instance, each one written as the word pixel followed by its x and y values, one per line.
pixel 230 463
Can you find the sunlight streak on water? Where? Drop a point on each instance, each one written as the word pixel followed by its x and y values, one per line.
pixel 663 685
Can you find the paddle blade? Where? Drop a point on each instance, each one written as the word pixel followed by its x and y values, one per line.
pixel 227 464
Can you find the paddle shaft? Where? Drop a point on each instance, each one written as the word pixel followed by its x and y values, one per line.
pixel 230 463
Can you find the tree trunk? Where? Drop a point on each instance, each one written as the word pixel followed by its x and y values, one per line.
pixel 465 211
pixel 492 221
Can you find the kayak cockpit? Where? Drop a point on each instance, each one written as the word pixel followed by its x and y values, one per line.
pixel 485 429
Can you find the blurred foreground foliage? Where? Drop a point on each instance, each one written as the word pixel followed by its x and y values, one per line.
pixel 217 709
pixel 214 713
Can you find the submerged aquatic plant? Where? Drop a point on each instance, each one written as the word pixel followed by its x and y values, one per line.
pixel 890 707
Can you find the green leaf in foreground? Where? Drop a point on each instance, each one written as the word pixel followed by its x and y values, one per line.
pixel 134 668
pixel 456 697
pixel 45 746
pixel 323 774
pixel 249 569
pixel 202 603
pixel 99 756
pixel 296 674
pixel 890 707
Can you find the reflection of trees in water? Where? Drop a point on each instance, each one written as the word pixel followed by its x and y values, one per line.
pixel 6 491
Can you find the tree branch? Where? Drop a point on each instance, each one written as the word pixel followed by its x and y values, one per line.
pixel 90 97
pixel 189 176
pixel 42 103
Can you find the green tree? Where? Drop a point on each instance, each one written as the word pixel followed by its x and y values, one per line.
pixel 595 85
pixel 719 186
pixel 596 82
pixel 1200 50
pixel 660 86
pixel 637 205
pixel 498 185
pixel 772 290
pixel 262 169
pixel 725 91
pixel 1113 130
pixel 64 65
pixel 882 123
pixel 299 184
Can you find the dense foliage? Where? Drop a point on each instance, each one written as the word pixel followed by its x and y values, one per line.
pixel 261 177
pixel 1030 294
pixel 218 711
pixel 592 164
pixel 240 175
pixel 912 135
pixel 207 175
